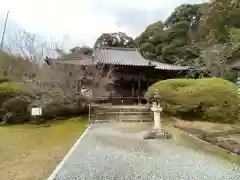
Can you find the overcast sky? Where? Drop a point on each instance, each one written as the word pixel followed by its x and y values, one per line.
pixel 85 20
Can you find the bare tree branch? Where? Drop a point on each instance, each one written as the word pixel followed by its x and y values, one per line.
pixel 57 81
pixel 69 83
pixel 29 46
pixel 214 61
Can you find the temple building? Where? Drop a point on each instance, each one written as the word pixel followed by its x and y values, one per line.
pixel 134 73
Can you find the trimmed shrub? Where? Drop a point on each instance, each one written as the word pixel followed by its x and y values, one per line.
pixel 9 90
pixel 232 76
pixel 11 102
pixel 10 86
pixel 16 109
pixel 212 99
pixel 57 110
pixel 4 79
pixel 15 105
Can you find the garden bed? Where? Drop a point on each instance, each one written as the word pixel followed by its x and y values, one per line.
pixel 226 136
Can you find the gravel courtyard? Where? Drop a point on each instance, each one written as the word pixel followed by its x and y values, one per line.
pixel 116 151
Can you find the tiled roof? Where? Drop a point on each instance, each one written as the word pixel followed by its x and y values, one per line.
pixel 115 56
pixel 83 60
pixel 120 56
pixel 163 66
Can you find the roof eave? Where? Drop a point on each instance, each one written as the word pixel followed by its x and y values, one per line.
pixel 166 69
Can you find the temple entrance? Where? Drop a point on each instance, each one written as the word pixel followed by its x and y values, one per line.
pixel 129 90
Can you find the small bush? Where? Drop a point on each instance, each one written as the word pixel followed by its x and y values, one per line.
pixel 16 109
pixel 57 110
pixel 4 79
pixel 15 105
pixel 210 98
pixel 232 76
pixel 11 86
pixel 9 90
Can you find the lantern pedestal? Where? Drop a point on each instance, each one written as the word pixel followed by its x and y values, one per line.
pixel 157 109
pixel 157 131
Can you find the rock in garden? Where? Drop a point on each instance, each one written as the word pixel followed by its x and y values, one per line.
pixel 149 135
pixel 236 151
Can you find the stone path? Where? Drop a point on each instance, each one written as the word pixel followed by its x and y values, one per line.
pixel 117 152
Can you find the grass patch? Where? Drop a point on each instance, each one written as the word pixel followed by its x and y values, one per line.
pixel 31 153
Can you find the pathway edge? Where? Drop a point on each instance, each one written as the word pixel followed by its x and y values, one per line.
pixel 60 165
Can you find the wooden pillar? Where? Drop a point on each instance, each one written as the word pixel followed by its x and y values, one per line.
pixel 133 88
pixel 139 89
pixel 147 85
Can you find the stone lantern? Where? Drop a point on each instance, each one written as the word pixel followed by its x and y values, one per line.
pixel 157 109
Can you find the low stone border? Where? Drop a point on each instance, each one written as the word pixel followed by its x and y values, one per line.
pixel 222 149
pixel 60 165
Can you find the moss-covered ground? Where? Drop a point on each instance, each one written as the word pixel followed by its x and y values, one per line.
pixel 28 152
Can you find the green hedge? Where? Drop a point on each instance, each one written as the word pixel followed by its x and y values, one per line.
pixel 15 105
pixel 9 90
pixel 211 99
pixel 11 105
pixel 4 79
pixel 16 109
pixel 10 86
pixel 55 110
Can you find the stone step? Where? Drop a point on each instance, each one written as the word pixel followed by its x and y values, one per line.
pixel 101 114
pixel 121 109
pixel 107 116
pixel 117 111
pixel 122 113
pixel 124 120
